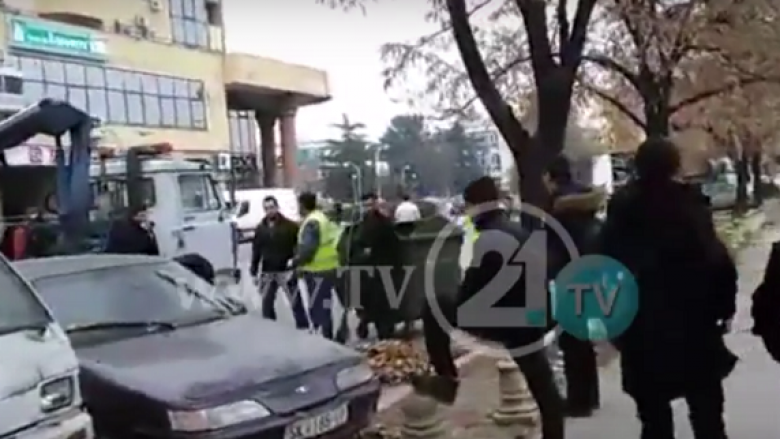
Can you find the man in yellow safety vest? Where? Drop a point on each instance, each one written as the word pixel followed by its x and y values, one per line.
pixel 317 261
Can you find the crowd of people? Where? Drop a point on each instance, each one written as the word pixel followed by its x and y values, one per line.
pixel 657 226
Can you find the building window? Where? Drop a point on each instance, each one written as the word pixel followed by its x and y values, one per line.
pixel 116 96
pixel 243 132
pixel 190 22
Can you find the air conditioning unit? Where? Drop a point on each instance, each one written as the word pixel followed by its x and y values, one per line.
pixel 155 5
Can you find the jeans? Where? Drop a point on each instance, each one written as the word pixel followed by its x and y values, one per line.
pixel 534 366
pixel 271 282
pixel 705 410
pixel 320 287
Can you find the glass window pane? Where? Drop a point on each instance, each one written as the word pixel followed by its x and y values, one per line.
pixel 56 91
pixel 195 89
pixel 198 193
pixel 190 33
pixel 75 74
pixel 203 35
pixel 152 110
pixel 117 112
pixel 149 84
pixel 135 109
pixel 97 103
pixel 114 79
pixel 233 120
pixel 183 115
pixel 200 11
pixel 54 71
pixel 132 82
pixel 32 68
pixel 33 90
pixel 177 8
pixel 181 88
pixel 189 8
pixel 199 115
pixel 168 112
pixel 166 86
pixel 177 30
pixel 96 77
pixel 77 96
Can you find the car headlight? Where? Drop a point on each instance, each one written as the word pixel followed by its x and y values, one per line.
pixel 354 376
pixel 57 393
pixel 216 417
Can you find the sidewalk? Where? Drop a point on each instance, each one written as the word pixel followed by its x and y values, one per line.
pixel 752 391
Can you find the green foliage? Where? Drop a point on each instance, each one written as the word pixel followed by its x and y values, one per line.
pixel 432 161
pixel 345 156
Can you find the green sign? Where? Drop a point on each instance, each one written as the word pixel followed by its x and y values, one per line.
pixel 47 37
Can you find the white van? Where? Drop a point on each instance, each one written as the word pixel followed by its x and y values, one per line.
pixel 249 208
pixel 39 373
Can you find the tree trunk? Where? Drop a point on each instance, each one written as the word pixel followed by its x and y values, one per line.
pixel 742 165
pixel 755 170
pixel 657 119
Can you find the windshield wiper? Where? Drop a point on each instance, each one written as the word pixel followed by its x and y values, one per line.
pixel 233 306
pixel 40 327
pixel 149 326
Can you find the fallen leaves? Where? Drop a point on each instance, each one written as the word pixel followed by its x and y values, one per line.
pixel 396 361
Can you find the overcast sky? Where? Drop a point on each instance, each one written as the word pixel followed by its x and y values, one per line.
pixel 346 45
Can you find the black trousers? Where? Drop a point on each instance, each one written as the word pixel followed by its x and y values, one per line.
pixel 535 367
pixel 581 370
pixel 705 407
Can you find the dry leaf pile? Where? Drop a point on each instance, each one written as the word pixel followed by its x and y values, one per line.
pixel 396 361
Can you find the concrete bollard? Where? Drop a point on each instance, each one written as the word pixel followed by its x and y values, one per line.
pixel 421 418
pixel 517 407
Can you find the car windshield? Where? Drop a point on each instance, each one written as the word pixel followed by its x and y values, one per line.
pixel 20 308
pixel 161 292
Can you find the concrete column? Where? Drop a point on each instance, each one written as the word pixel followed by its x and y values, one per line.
pixel 289 148
pixel 267 123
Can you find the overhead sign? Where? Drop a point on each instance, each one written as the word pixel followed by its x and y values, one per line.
pixel 47 37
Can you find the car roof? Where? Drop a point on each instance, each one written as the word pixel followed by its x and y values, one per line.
pixel 35 269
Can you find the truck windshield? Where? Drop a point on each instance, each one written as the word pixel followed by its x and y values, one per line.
pixel 20 307
pixel 109 195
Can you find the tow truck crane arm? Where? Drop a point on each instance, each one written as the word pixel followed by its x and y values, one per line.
pixel 57 118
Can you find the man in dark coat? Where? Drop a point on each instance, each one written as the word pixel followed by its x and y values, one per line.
pixel 498 242
pixel 662 231
pixel 133 234
pixel 575 207
pixel 273 246
pixel 376 245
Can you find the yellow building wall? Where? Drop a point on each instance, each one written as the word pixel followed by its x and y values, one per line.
pixel 151 57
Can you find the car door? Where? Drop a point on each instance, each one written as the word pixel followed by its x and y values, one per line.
pixel 206 228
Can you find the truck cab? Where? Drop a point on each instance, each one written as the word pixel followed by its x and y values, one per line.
pixel 182 198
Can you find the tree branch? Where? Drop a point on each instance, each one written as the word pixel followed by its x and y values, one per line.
pixel 615 102
pixel 499 111
pixel 535 21
pixel 611 64
pixel 564 27
pixel 572 50
pixel 714 92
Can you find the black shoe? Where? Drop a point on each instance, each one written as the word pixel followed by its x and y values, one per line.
pixel 573 411
pixel 442 389
pixel 362 330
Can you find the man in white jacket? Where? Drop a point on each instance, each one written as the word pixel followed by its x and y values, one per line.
pixel 407 211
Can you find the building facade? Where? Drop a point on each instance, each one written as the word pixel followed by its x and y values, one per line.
pixel 158 71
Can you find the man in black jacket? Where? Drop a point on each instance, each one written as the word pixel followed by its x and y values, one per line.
pixel 491 268
pixel 132 235
pixel 274 245
pixel 575 206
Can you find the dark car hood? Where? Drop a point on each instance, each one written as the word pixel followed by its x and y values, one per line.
pixel 206 363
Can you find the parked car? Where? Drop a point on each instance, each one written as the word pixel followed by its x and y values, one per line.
pixel 39 392
pixel 163 355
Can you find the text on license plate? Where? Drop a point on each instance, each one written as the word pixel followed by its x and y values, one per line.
pixel 318 424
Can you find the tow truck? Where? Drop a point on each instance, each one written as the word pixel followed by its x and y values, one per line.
pixel 181 197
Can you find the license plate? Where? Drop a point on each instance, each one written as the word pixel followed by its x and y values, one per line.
pixel 318 425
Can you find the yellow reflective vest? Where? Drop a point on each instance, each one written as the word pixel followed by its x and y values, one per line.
pixel 326 257
pixel 471 231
